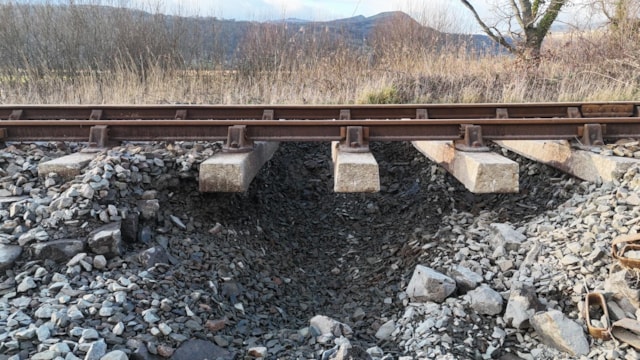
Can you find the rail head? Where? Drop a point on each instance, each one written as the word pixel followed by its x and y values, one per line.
pixel 590 122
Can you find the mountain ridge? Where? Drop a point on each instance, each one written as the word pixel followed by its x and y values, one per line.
pixel 77 36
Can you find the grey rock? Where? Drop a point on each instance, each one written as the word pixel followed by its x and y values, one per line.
pixel 25 334
pixel 149 209
pixel 16 209
pixel 149 195
pixel 328 326
pixel 348 352
pixel 9 226
pixel 96 351
pixel 426 284
pixel 57 250
pixel 44 355
pixel 90 334
pixel 75 260
pixel 129 228
pixel 145 235
pixel 115 355
pixel 70 356
pixel 150 316
pixel 617 283
pixel 485 300
pixel 141 352
pixel 8 255
pixel 221 340
pixel 27 284
pixel 45 311
pixel 87 192
pixel 522 305
pixel 385 331
pixel 177 222
pixel 106 311
pixel 506 236
pixel 466 279
pixel 615 311
pixel 375 352
pixel 152 256
pixel 165 329
pixel 106 240
pixel 74 313
pixel 100 262
pixel 118 328
pixel 558 331
pixel 201 349
pixel 43 333
pixel 60 348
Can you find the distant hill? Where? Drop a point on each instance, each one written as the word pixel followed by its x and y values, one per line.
pixel 69 36
pixel 358 32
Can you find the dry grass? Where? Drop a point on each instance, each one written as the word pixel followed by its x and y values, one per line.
pixel 575 68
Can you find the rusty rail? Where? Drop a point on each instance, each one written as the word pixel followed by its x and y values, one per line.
pixel 354 125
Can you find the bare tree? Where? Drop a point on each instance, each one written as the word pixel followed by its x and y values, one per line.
pixel 534 20
pixel 622 15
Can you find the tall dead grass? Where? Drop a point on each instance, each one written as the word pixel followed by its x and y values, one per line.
pixel 145 57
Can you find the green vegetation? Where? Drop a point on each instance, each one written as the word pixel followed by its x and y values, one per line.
pixel 387 95
pixel 100 54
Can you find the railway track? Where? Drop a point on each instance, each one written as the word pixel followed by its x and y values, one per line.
pixel 255 131
pixel 354 125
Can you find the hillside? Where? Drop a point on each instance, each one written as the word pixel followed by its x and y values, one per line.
pixel 359 32
pixel 73 37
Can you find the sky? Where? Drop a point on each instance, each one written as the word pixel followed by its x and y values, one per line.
pixel 303 9
pixel 451 14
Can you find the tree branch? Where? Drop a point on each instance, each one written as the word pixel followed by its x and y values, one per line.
pixel 518 12
pixel 550 16
pixel 499 39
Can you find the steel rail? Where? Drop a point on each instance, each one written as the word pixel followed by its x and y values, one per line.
pixel 317 112
pixel 316 130
pixel 471 123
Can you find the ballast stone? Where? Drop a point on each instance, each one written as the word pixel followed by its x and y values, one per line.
pixel 57 250
pixel 8 255
pixel 485 300
pixel 522 305
pixel 106 240
pixel 466 279
pixel 115 355
pixel 428 284
pixel 386 330
pixel 328 326
pixel 558 331
pixel 504 235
